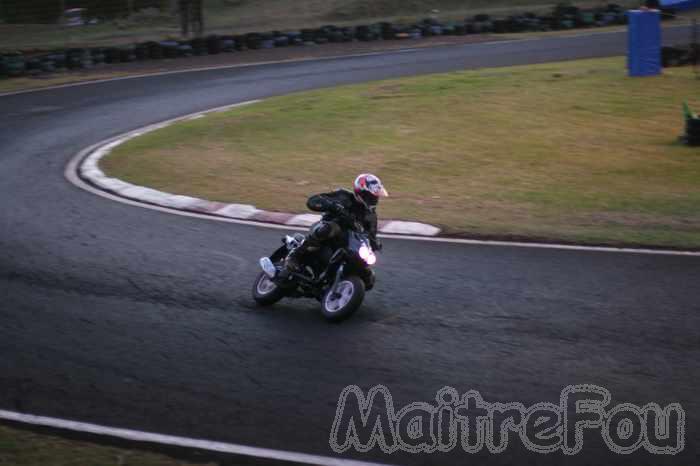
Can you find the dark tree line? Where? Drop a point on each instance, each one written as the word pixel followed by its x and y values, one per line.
pixel 49 11
pixel 191 17
pixel 190 12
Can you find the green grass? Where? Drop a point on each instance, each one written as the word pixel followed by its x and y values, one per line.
pixel 23 448
pixel 572 151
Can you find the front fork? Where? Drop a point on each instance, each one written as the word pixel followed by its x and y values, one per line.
pixel 338 276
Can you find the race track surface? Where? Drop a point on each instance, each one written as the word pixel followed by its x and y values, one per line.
pixel 126 317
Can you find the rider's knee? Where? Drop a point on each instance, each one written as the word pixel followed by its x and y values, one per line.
pixel 322 231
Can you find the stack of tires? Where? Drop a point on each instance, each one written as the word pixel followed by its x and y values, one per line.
pixel 500 26
pixel 46 64
pixel 460 29
pixel 367 33
pixel 155 50
pixel 197 47
pixel 337 34
pixel 32 66
pixel 112 55
pixel 127 54
pixel 388 31
pixel 98 56
pixel 430 27
pixel 267 40
pixel 280 39
pixel 253 41
pixel 59 60
pixel 480 24
pixel 78 59
pixel 170 48
pixel 12 64
pixel 679 55
pixel 308 36
pixel 228 44
pixel 39 64
pixel 294 37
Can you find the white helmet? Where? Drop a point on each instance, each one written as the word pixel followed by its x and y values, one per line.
pixel 368 189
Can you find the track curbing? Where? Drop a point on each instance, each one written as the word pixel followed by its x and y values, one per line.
pixel 90 171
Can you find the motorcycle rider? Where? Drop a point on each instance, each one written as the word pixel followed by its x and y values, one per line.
pixel 341 209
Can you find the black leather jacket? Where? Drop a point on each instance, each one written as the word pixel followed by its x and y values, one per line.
pixel 354 211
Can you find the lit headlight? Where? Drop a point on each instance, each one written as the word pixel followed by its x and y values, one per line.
pixel 367 255
pixel 372 259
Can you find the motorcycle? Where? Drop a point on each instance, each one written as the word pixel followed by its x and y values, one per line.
pixel 337 278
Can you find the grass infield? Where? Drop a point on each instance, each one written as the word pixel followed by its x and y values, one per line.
pixel 572 151
pixel 19 447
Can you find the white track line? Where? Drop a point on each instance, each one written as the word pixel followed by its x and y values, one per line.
pixel 185 442
pixel 566 247
pixel 73 167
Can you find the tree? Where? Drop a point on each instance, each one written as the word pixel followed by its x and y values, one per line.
pixel 191 17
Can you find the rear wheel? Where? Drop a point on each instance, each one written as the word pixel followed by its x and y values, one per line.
pixel 265 291
pixel 341 304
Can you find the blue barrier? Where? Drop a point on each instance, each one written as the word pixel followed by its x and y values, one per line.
pixel 680 5
pixel 644 43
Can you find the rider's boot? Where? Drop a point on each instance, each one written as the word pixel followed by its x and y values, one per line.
pixel 294 261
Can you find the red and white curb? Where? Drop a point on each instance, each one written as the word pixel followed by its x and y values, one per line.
pixel 90 171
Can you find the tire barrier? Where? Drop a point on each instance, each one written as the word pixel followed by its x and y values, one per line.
pixel 228 44
pixel 32 66
pixel 141 52
pixel 213 45
pixel 295 38
pixel 253 41
pixel 198 46
pixel 112 55
pixel 680 55
pixel 78 59
pixel 59 60
pixel 267 40
pixel 281 40
pixel 155 50
pixel 15 63
pixel 98 56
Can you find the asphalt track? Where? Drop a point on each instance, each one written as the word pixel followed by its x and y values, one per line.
pixel 131 318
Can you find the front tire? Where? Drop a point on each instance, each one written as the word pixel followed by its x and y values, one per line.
pixel 341 305
pixel 265 291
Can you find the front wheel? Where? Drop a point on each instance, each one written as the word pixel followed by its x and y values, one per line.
pixel 341 304
pixel 265 291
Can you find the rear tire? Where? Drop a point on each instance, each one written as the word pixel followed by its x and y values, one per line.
pixel 351 291
pixel 265 291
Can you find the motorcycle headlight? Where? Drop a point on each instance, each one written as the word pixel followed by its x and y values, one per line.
pixel 367 255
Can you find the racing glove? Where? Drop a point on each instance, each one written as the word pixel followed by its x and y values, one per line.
pixel 336 208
